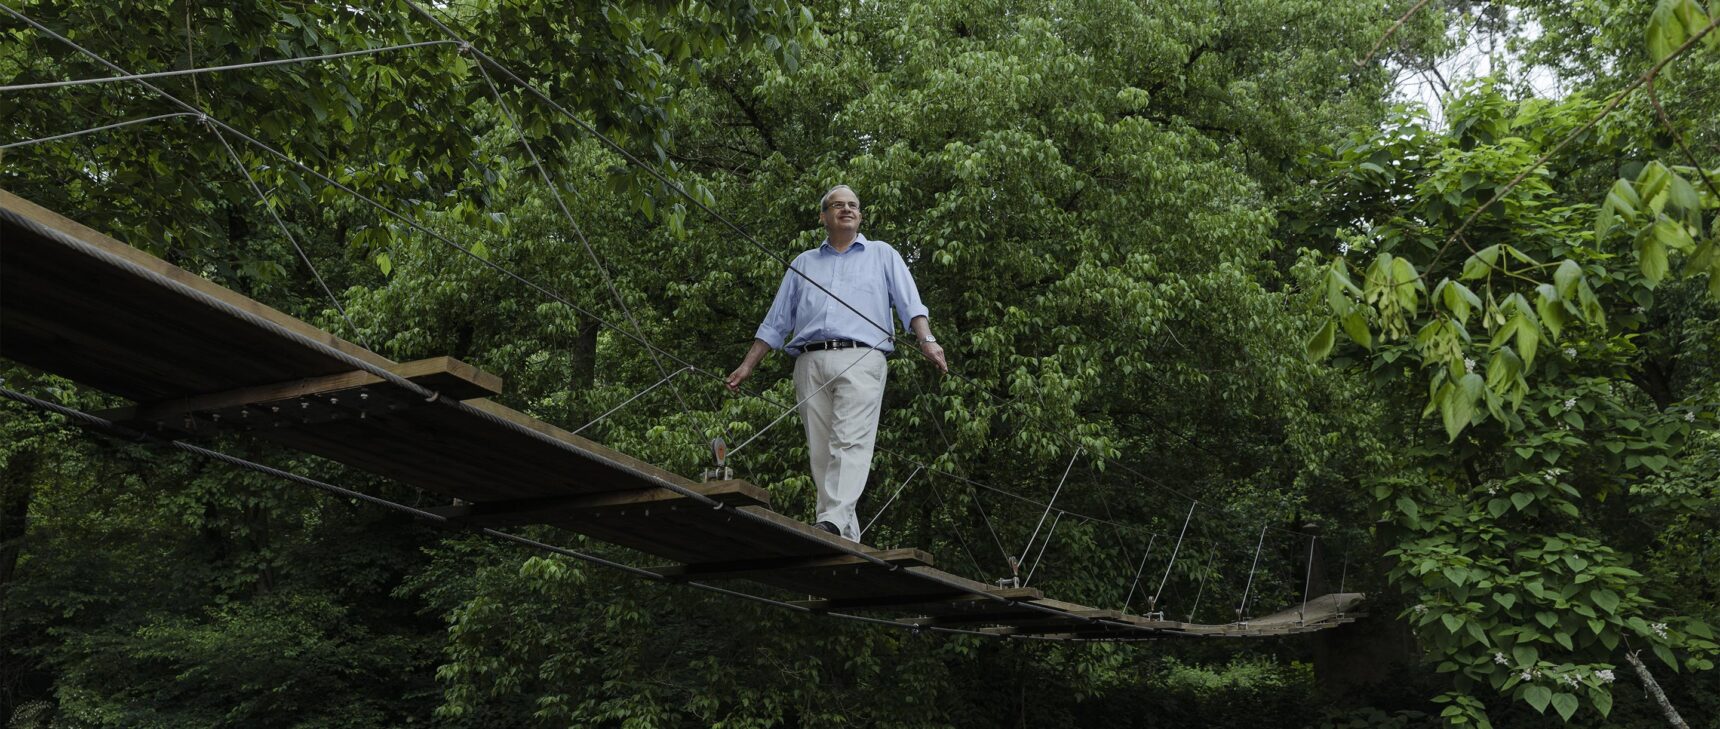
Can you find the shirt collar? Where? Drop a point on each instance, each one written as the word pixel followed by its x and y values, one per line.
pixel 859 242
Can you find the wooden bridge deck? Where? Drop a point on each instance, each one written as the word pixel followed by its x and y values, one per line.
pixel 196 358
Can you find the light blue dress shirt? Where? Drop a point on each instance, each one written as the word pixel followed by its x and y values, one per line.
pixel 871 277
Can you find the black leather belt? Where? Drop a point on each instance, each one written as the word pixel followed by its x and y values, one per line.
pixel 833 344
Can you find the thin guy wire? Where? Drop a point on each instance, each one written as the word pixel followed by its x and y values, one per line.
pixel 578 233
pixel 1242 608
pixel 978 570
pixel 269 206
pixel 1197 593
pixel 887 504
pixel 213 69
pixel 1138 569
pixel 1308 582
pixel 93 130
pixel 1060 482
pixel 1043 545
pixel 1155 601
pixel 629 401
pixel 1008 560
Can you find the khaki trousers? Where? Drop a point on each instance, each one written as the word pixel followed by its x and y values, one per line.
pixel 841 392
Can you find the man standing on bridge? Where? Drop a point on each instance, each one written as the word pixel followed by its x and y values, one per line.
pixel 836 301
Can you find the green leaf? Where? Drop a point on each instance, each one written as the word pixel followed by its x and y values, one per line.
pixel 1565 704
pixel 1497 508
pixel 1651 257
pixel 1666 656
pixel 1356 325
pixel 1526 656
pixel 1522 499
pixel 1664 33
pixel 1506 600
pixel 1538 696
pixel 1459 407
pixel 1566 277
pixel 1672 235
pixel 1407 505
pixel 1528 338
pixel 1602 700
pixel 1564 639
pixel 1605 599
pixel 1478 265
pixel 1451 622
pixel 1320 345
pixel 384 262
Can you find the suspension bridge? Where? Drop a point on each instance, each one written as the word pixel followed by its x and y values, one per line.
pixel 197 360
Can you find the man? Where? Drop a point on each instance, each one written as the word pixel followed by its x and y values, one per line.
pixel 840 320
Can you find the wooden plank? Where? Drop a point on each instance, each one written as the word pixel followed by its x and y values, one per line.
pixel 564 509
pixel 446 375
pixel 752 568
pixel 919 603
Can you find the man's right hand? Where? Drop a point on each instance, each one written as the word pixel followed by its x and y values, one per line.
pixel 740 375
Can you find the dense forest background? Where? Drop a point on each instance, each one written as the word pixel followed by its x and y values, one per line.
pixel 1201 251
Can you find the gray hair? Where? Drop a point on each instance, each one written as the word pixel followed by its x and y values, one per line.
pixel 832 191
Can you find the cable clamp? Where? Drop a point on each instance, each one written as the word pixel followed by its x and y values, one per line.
pixel 434 396
pixel 465 46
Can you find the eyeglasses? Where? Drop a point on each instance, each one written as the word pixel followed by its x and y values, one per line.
pixel 843 204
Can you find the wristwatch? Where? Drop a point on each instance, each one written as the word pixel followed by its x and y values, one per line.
pixel 929 338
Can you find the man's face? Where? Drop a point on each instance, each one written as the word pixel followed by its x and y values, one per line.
pixel 841 212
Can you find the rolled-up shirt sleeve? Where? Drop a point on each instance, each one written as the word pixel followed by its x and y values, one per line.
pixel 779 321
pixel 904 295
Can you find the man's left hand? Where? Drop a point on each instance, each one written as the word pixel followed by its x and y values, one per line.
pixel 935 353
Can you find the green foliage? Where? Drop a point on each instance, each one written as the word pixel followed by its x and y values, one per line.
pixel 1510 533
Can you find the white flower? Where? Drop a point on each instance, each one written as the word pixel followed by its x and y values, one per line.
pixel 1468 365
pixel 1568 679
pixel 1419 609
pixel 1605 675
pixel 1659 629
pixel 1343 249
pixel 1570 402
pixel 1499 658
pixel 1690 416
pixel 1571 352
pixel 1526 676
